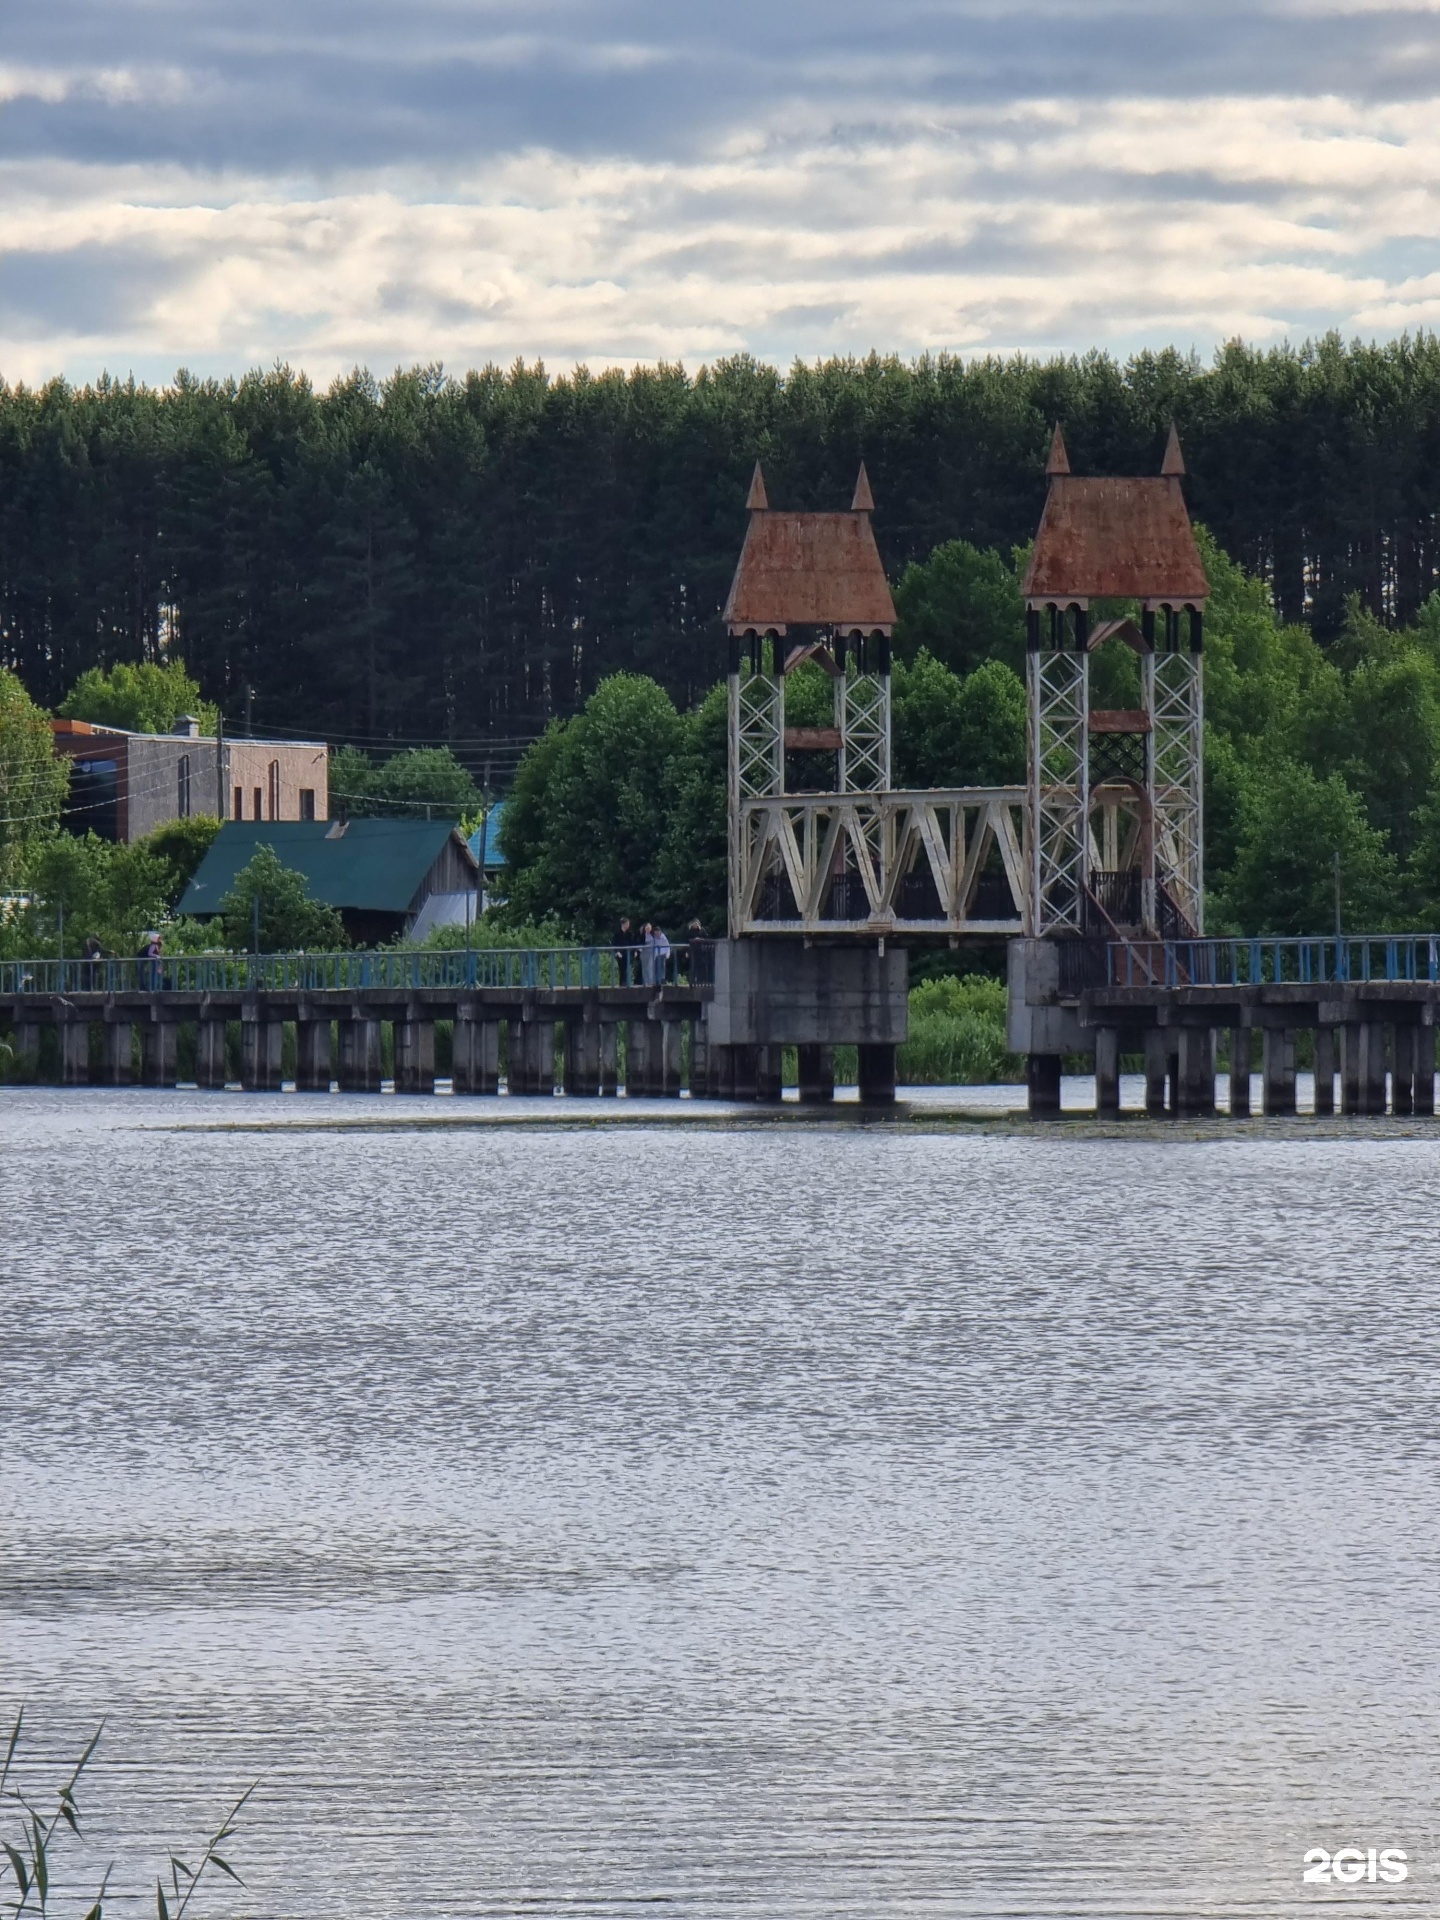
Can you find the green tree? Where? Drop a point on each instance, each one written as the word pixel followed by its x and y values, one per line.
pixel 289 920
pixel 963 606
pixel 143 698
pixel 1284 875
pixel 413 785
pixel 34 779
pixel 690 870
pixel 953 732
pixel 181 845
pixel 602 817
pixel 115 893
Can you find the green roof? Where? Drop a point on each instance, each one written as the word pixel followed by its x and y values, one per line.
pixel 374 866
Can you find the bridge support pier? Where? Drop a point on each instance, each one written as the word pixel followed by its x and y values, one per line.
pixel 532 1057
pixel 1278 1067
pixel 1240 1047
pixel 119 1054
pixel 640 1075
pixel 1156 1042
pixel 699 1061
pixel 211 1068
pixel 360 1060
pixel 1402 1085
pixel 1425 1070
pixel 25 1047
pixel 261 1040
pixel 669 1046
pixel 770 1074
pixel 1324 1070
pixel 582 1058
pixel 157 1053
pixel 817 1075
pixel 415 1056
pixel 313 1061
pixel 1363 1070
pixel 1042 1081
pixel 1107 1072
pixel 1195 1081
pixel 475 1061
pixel 74 1053
pixel 609 1057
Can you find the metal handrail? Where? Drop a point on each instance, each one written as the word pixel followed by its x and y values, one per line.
pixel 1275 959
pixel 545 969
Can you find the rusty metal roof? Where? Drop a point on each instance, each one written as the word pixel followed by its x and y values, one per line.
pixel 809 569
pixel 1127 539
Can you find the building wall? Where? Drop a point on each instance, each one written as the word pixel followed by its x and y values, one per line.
pixel 280 774
pixel 159 769
pixel 167 776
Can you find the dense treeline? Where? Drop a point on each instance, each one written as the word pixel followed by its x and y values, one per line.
pixel 459 560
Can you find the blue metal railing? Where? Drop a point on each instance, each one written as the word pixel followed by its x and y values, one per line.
pixel 547 969
pixel 1298 960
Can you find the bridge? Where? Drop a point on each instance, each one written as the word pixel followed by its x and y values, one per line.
pixel 1092 872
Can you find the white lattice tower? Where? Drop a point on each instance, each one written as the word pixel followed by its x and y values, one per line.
pixel 756 766
pixel 1176 701
pixel 1058 684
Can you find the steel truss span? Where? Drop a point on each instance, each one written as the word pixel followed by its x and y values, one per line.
pixel 948 861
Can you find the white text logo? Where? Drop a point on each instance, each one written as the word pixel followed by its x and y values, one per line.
pixel 1350 1865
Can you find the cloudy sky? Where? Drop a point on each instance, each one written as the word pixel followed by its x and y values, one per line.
pixel 221 183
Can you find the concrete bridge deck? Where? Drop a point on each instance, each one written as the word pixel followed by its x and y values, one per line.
pixel 596 1017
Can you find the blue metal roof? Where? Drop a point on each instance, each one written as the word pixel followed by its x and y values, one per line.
pixel 492 856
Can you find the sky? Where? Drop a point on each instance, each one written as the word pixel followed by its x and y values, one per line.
pixel 221 184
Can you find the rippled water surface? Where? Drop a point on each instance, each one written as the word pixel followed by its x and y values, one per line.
pixel 764 1521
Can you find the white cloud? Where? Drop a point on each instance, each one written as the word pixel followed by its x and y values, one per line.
pixel 796 226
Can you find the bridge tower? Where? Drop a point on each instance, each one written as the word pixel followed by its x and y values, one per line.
pixel 1113 806
pixel 808 586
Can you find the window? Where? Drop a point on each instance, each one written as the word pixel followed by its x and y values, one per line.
pixel 239 803
pixel 258 814
pixel 274 789
pixel 307 803
pixel 182 796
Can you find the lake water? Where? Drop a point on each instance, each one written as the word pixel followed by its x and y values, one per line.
pixel 764 1520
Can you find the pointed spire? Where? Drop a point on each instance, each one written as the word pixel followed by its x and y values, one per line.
pixel 1173 465
pixel 864 501
pixel 1059 460
pixel 756 499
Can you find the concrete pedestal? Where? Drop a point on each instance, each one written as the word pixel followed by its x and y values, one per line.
pixel 1156 1063
pixel 1402 1084
pixel 261 1042
pixel 1195 1080
pixel 157 1053
pixel 360 1058
pixel 210 1061
pixel 1363 1067
pixel 75 1053
pixel 415 1056
pixel 1107 1071
pixel 1042 1081
pixel 700 1061
pixel 119 1054
pixel 1425 1070
pixel 582 1058
pixel 817 1075
pixel 641 1068
pixel 770 1074
pixel 313 1063
pixel 475 1056
pixel 532 1057
pixel 609 1057
pixel 1325 1070
pixel 1240 1048
pixel 1279 1070
pixel 671 1058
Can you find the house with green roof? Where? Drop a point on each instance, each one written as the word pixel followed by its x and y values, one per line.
pixel 384 877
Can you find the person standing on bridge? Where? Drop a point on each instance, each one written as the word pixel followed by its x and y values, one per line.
pixel 656 955
pixel 623 955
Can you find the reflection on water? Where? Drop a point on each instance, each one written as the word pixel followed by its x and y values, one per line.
pixel 765 1522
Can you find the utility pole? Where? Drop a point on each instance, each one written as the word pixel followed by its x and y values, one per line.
pixel 221 808
pixel 1335 860
pixel 249 710
pixel 255 919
